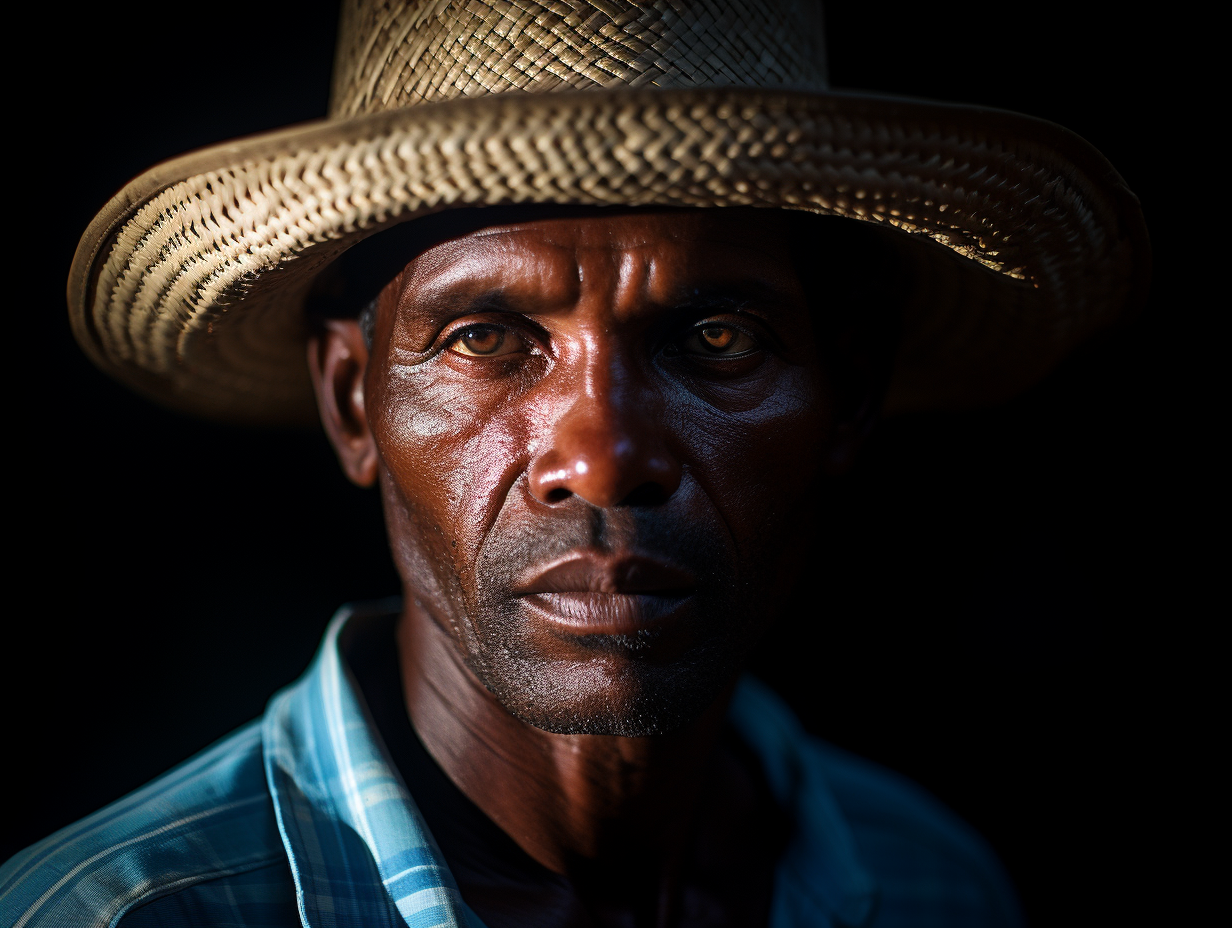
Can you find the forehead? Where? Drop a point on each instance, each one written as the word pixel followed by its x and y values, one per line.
pixel 660 252
pixel 640 228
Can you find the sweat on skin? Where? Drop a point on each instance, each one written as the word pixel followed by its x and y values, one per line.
pixel 597 439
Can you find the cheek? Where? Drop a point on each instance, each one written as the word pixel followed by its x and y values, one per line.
pixel 759 460
pixel 452 458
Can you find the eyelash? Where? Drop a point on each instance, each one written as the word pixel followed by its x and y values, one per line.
pixel 698 330
pixel 673 348
pixel 451 338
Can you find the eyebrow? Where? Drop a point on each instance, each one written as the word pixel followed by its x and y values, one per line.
pixel 754 293
pixel 495 299
pixel 451 305
pixel 740 295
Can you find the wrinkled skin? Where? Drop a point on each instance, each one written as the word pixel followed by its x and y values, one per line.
pixel 597 438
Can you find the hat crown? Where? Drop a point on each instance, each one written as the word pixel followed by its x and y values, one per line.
pixel 395 54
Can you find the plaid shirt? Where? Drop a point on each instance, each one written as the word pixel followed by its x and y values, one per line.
pixel 301 818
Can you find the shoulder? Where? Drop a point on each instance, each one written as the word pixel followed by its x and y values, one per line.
pixel 924 866
pixel 922 856
pixel 209 819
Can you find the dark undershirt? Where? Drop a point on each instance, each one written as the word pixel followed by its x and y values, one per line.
pixel 508 888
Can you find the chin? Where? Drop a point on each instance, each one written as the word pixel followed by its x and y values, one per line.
pixel 617 690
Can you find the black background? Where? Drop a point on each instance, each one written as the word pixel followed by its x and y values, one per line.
pixel 1009 619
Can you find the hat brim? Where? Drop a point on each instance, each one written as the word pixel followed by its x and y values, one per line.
pixel 1022 239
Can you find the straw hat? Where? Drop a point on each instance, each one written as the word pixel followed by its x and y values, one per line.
pixel 1022 240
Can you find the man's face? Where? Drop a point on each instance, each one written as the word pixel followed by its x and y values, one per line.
pixel 598 442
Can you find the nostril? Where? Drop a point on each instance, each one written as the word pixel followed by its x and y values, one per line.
pixel 557 495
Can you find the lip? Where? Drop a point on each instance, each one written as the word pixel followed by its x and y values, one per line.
pixel 592 593
pixel 596 572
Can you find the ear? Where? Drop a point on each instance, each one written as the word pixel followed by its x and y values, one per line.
pixel 338 360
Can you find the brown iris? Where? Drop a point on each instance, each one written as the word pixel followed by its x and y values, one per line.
pixel 717 338
pixel 481 341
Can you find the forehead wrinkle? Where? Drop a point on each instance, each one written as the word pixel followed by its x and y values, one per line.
pixel 464 270
pixel 553 264
pixel 619 276
pixel 672 276
pixel 627 282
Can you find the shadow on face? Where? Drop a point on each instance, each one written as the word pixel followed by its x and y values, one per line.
pixel 598 437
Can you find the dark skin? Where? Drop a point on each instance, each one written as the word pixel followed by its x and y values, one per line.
pixel 596 439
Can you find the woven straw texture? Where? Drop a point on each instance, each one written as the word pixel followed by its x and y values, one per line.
pixel 190 284
pixel 395 55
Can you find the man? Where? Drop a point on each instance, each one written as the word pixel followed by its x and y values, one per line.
pixel 596 434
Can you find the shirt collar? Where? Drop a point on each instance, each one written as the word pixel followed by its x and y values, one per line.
pixel 358 846
pixel 360 852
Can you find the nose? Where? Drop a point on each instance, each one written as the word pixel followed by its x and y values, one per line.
pixel 609 448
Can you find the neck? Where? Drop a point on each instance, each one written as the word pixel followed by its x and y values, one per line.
pixel 574 803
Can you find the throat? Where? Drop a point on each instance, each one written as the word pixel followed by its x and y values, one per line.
pixel 550 834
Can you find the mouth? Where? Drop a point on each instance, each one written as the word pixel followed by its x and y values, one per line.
pixel 591 593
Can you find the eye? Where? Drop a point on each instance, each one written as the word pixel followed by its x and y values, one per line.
pixel 713 339
pixel 485 341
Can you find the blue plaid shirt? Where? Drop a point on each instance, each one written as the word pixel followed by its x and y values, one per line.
pixel 301 818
